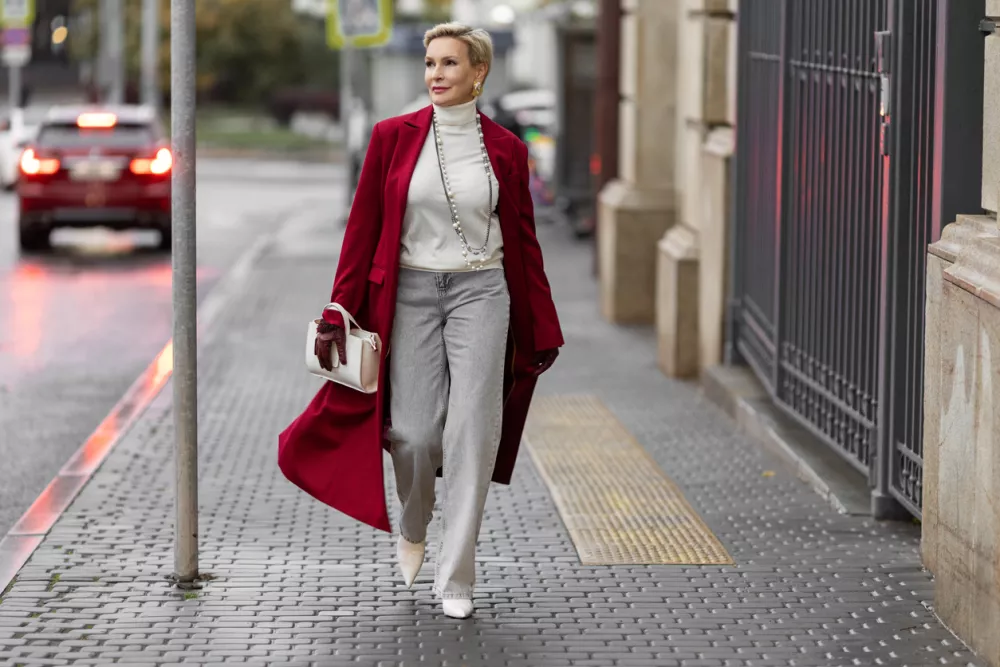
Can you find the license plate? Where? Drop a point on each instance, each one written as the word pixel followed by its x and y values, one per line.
pixel 94 171
pixel 95 196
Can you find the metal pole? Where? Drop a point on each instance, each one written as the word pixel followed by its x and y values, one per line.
pixel 150 52
pixel 185 373
pixel 346 106
pixel 116 52
pixel 103 69
pixel 14 83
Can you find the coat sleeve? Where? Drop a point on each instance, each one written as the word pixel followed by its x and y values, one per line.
pixel 546 329
pixel 364 227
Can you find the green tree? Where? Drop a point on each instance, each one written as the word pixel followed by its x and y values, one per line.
pixel 437 10
pixel 245 48
pixel 249 47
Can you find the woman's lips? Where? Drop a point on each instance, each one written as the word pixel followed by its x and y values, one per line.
pixel 438 89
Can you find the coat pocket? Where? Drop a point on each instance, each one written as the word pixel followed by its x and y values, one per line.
pixel 376 275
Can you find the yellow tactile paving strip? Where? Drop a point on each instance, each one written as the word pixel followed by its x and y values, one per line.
pixel 619 507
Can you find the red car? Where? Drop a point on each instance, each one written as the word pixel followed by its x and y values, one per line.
pixel 95 168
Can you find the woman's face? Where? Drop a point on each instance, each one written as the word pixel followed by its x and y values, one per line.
pixel 449 73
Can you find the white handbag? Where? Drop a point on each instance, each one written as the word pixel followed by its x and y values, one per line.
pixel 364 352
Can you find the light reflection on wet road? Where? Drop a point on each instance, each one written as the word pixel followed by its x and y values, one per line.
pixel 80 324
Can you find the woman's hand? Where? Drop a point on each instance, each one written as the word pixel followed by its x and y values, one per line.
pixel 328 335
pixel 543 360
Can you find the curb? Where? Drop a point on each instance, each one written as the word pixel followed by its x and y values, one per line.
pixel 741 395
pixel 27 534
pixel 308 156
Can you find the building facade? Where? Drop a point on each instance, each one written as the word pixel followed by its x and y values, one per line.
pixel 796 193
pixel 663 223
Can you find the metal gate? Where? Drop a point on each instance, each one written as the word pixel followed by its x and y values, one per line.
pixel 833 214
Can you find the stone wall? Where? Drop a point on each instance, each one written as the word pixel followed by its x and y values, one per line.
pixel 693 256
pixel 961 448
pixel 991 117
pixel 961 496
pixel 635 210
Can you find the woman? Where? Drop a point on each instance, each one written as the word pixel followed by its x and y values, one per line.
pixel 440 258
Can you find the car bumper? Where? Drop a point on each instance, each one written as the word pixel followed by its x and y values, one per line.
pixel 121 206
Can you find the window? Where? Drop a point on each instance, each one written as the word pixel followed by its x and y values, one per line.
pixel 71 136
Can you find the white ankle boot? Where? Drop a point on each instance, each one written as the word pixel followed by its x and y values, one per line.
pixel 457 607
pixel 411 557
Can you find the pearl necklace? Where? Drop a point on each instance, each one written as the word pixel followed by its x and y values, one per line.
pixel 456 224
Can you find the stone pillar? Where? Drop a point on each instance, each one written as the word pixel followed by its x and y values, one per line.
pixel 961 475
pixel 991 120
pixel 690 289
pixel 960 535
pixel 713 267
pixel 635 209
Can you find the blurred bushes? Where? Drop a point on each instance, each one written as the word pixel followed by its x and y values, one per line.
pixel 250 53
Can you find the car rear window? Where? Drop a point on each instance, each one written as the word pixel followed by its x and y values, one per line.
pixel 119 136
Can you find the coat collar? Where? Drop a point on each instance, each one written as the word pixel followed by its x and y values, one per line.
pixel 421 120
pixel 417 124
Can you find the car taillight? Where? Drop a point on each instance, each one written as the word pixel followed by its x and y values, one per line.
pixel 97 120
pixel 32 165
pixel 157 166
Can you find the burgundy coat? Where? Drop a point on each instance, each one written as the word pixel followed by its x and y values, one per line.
pixel 333 450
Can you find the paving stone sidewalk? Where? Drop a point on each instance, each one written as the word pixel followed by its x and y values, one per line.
pixel 292 582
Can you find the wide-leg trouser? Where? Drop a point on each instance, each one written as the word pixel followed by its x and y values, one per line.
pixel 446 368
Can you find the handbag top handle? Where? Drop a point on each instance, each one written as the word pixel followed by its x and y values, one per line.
pixel 343 311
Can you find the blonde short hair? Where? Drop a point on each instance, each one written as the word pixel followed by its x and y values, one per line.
pixel 478 40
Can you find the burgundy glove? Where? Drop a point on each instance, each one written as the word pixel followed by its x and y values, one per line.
pixel 327 335
pixel 543 360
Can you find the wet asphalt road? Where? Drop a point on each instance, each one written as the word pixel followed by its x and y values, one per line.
pixel 78 325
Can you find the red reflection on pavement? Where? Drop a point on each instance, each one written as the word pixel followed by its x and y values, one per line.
pixel 163 366
pixel 43 513
pixel 99 442
pixel 158 275
pixel 106 436
pixel 31 291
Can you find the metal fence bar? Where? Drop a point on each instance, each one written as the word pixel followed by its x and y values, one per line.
pixel 757 198
pixel 876 21
pixel 783 193
pixel 830 236
pixel 810 340
pixel 895 202
pixel 913 225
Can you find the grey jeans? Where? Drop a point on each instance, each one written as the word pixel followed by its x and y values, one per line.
pixel 446 367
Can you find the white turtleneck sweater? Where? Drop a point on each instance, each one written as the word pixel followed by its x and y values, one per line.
pixel 429 241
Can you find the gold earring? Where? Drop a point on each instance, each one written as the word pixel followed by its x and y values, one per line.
pixel 477 89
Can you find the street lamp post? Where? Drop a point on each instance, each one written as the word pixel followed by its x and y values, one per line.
pixel 114 24
pixel 150 52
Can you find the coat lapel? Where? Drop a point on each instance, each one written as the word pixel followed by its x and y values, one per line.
pixel 502 159
pixel 412 135
pixel 498 148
